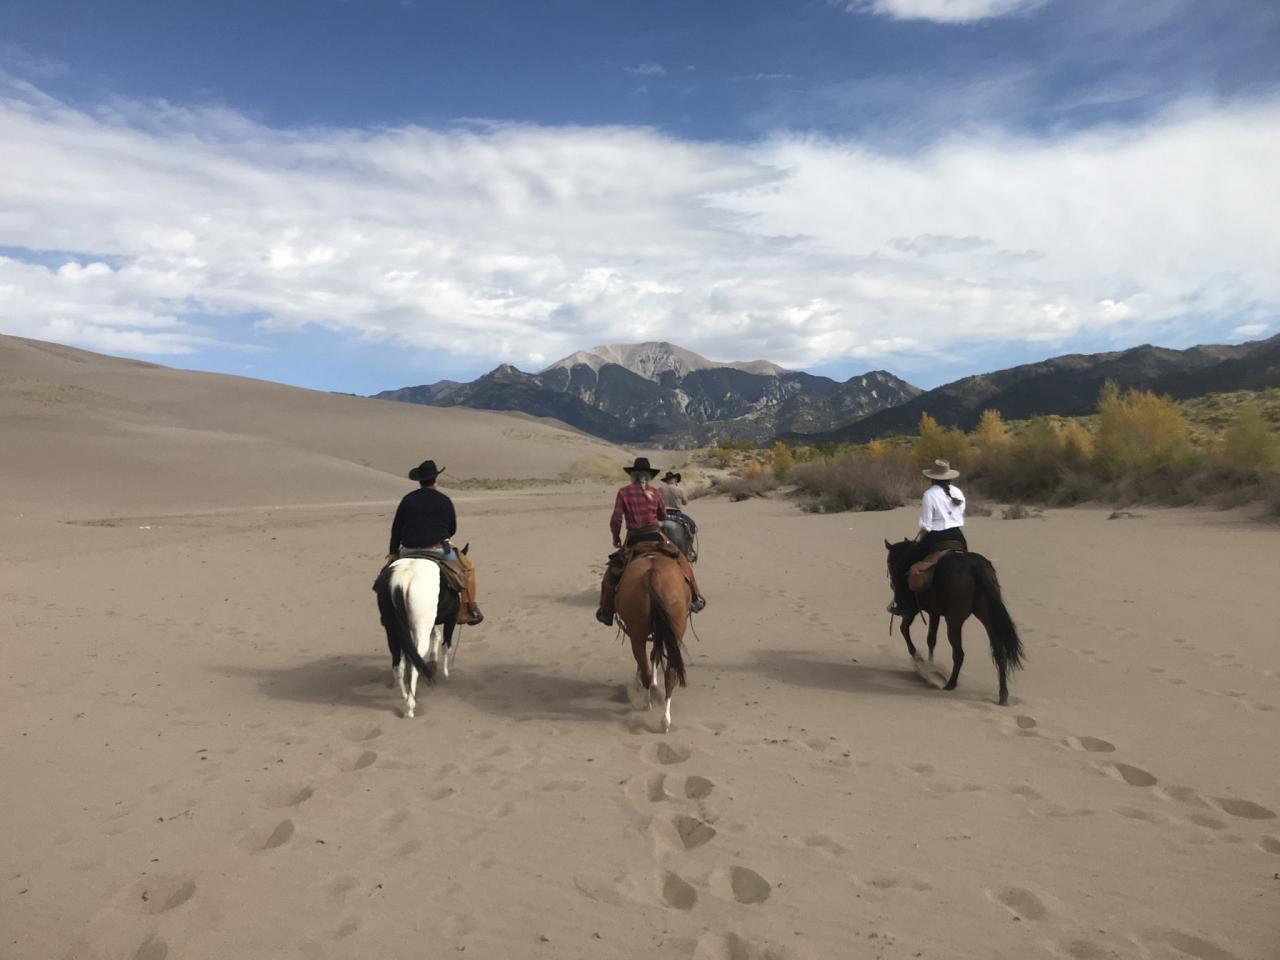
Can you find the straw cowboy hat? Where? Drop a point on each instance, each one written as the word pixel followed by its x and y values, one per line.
pixel 426 470
pixel 642 466
pixel 941 471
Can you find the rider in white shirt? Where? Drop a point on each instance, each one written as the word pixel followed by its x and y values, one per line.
pixel 941 520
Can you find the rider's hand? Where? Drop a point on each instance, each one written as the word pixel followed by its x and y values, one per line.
pixel 617 544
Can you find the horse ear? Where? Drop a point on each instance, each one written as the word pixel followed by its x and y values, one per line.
pixel 888 545
pixel 466 548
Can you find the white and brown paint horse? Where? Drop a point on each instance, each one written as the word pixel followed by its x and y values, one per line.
pixel 420 614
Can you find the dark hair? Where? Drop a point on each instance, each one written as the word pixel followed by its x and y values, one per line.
pixel 946 487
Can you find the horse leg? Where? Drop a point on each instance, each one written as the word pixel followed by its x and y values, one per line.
pixel 450 647
pixel 933 634
pixel 643 676
pixel 905 629
pixel 957 650
pixel 653 678
pixel 673 681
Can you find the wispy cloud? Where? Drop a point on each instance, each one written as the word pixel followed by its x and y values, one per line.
pixel 646 70
pixel 944 11
pixel 517 242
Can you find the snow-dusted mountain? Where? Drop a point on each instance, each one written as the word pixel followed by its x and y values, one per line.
pixel 654 358
pixel 662 393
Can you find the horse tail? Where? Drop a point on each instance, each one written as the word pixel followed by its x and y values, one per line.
pixel 666 644
pixel 402 629
pixel 1006 647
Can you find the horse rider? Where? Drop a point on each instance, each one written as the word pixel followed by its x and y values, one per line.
pixel 424 522
pixel 643 509
pixel 941 521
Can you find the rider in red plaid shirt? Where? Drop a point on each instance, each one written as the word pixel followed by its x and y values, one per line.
pixel 643 509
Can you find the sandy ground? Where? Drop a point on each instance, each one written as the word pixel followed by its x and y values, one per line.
pixel 203 760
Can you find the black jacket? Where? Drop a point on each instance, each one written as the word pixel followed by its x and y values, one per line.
pixel 424 518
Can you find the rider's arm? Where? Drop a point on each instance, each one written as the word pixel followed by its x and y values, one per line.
pixel 396 525
pixel 615 522
pixel 927 511
pixel 453 521
pixel 662 509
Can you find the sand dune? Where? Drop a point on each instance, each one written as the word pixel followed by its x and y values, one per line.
pixel 204 761
pixel 91 433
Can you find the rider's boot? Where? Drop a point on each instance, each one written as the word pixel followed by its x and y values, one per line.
pixel 474 616
pixel 607 587
pixel 698 601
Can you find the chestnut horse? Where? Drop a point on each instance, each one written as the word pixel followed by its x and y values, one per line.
pixel 964 585
pixel 653 601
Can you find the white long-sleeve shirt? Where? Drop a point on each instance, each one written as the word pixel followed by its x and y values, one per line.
pixel 937 512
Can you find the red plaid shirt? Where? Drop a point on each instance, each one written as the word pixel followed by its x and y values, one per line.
pixel 641 506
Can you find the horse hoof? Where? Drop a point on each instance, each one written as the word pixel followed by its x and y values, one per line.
pixel 1004 699
pixel 950 686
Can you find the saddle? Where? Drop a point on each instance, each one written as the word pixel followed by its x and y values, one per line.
pixel 452 572
pixel 920 575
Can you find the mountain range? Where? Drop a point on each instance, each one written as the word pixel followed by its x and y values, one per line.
pixel 1069 386
pixel 661 394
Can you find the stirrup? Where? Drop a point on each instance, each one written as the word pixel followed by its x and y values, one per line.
pixel 605 618
pixel 474 616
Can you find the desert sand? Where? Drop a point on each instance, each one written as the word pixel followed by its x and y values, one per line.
pixel 203 759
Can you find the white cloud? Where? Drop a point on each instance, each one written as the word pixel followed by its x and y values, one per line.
pixel 1251 329
pixel 945 11
pixel 512 242
pixel 649 69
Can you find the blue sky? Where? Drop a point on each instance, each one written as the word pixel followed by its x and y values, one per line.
pixel 361 194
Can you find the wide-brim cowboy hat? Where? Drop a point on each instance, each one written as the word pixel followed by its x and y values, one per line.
pixel 426 470
pixel 671 476
pixel 941 471
pixel 642 466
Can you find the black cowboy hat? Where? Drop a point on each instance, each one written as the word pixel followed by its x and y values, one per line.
pixel 426 470
pixel 642 466
pixel 671 476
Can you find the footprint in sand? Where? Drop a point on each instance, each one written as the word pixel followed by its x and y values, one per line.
pixel 1193 946
pixel 289 796
pixel 365 759
pixel 1206 821
pixel 656 788
pixel 731 946
pixel 820 841
pixel 165 892
pixel 677 893
pixel 693 832
pixel 1085 950
pixel 153 948
pixel 748 886
pixel 1135 776
pixel 281 834
pixel 346 929
pixel 1246 809
pixel 1133 813
pixel 1270 844
pixel 698 788
pixel 668 755
pixel 1027 793
pixel 1026 723
pixel 899 883
pixel 1020 902
pixel 1091 744
pixel 362 734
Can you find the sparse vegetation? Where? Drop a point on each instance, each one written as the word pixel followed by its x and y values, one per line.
pixel 1139 447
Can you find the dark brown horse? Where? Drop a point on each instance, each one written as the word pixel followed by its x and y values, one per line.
pixel 653 604
pixel 964 585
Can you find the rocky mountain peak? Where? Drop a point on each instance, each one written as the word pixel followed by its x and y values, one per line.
pixel 653 358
